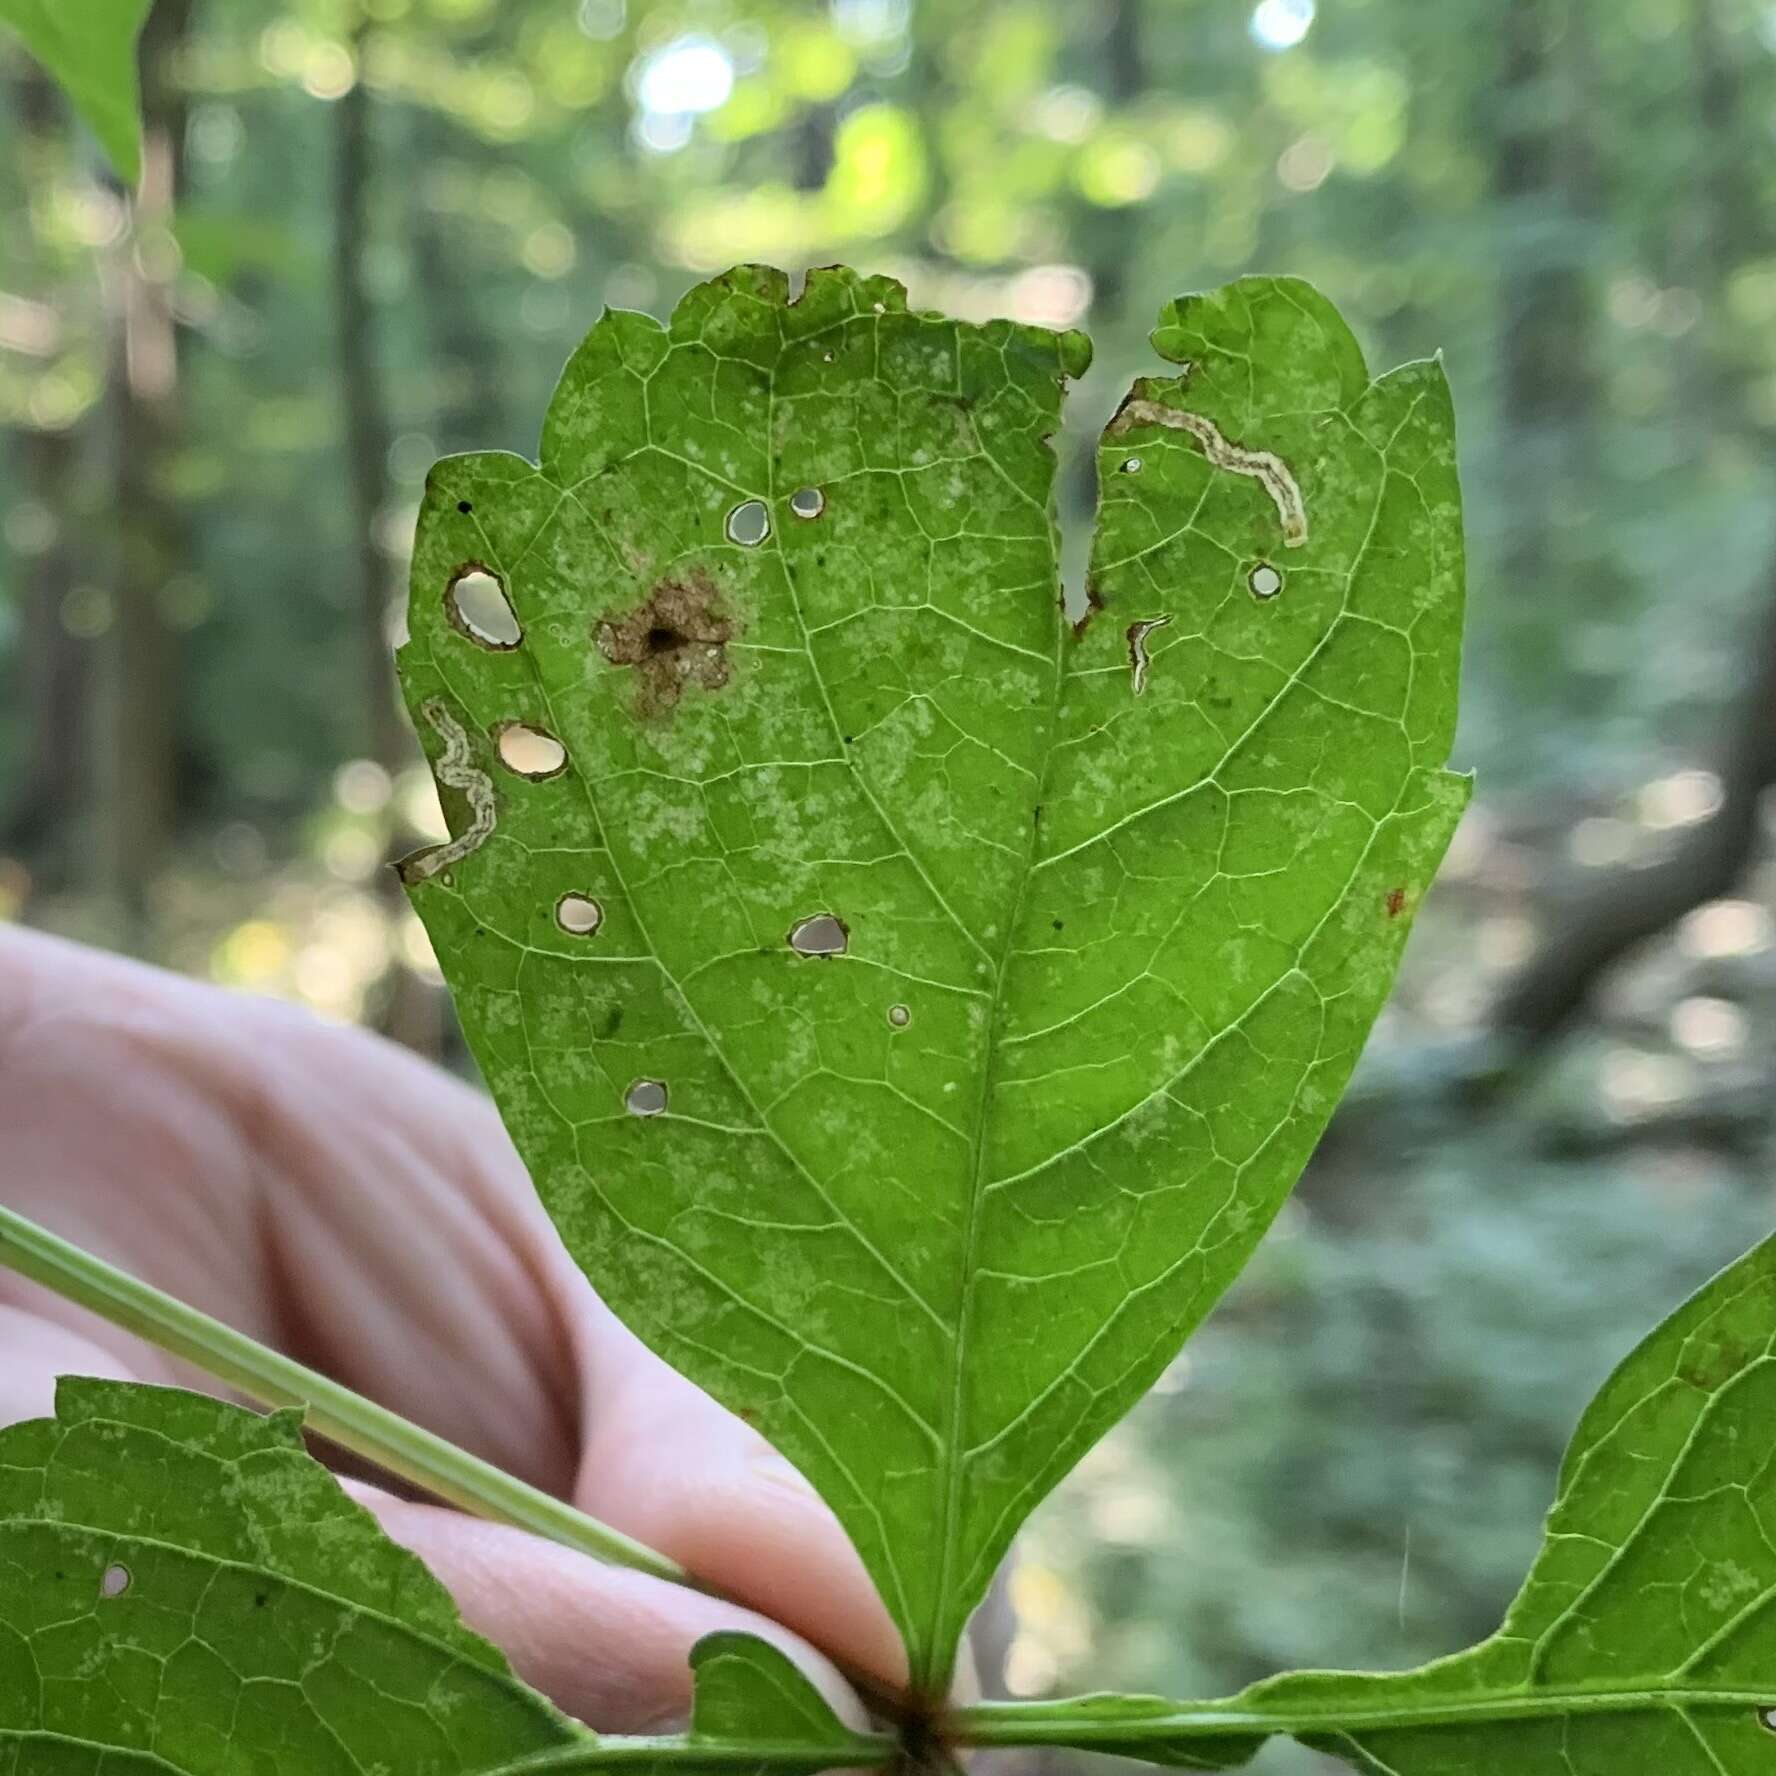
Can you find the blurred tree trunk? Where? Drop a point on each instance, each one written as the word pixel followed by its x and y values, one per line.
pixel 1730 224
pixel 1596 929
pixel 469 410
pixel 1119 231
pixel 1543 182
pixel 50 665
pixel 406 1009
pixel 366 414
pixel 138 762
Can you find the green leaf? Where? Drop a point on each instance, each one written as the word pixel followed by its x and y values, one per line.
pixel 750 1694
pixel 183 1588
pixel 90 48
pixel 1643 1640
pixel 1116 909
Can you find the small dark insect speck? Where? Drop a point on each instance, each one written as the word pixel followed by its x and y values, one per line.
pixel 850 739
pixel 1060 924
pixel 1396 902
pixel 464 506
pixel 260 1600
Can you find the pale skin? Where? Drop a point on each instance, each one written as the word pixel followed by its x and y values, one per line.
pixel 332 1195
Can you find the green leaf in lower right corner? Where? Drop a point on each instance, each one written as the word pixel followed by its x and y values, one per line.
pixel 89 46
pixel 1643 1642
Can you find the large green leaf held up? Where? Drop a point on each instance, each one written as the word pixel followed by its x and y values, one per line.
pixel 913 1009
pixel 1644 1640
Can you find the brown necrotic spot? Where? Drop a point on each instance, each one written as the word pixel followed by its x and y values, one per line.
pixel 475 602
pixel 678 636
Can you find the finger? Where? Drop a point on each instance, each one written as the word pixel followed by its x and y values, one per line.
pixel 312 1186
pixel 610 1646
pixel 37 1352
pixel 667 1465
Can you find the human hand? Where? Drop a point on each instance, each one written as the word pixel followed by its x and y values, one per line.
pixel 333 1196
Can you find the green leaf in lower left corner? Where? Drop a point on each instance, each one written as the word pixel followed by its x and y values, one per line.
pixel 185 1591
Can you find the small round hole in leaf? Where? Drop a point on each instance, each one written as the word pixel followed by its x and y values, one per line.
pixel 820 935
pixel 1265 580
pixel 529 752
pixel 900 1016
pixel 807 502
pixel 114 1580
pixel 749 524
pixel 1130 465
pixel 477 606
pixel 646 1097
pixel 1766 1718
pixel 579 915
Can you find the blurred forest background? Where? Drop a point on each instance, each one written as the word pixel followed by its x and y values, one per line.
pixel 370 234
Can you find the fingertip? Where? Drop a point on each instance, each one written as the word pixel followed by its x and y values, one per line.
pixel 610 1646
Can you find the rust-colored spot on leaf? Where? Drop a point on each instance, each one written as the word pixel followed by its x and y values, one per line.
pixel 677 636
pixel 1396 902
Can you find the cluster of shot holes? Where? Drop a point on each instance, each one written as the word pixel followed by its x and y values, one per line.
pixel 749 523
pixel 479 609
pixel 1264 580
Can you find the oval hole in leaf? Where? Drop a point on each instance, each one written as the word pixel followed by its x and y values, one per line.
pixel 1130 465
pixel 646 1097
pixel 476 603
pixel 749 524
pixel 807 502
pixel 1265 580
pixel 114 1580
pixel 900 1016
pixel 820 935
pixel 529 752
pixel 579 915
pixel 1767 1719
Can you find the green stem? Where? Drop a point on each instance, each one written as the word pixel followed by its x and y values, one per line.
pixel 748 1755
pixel 1070 1723
pixel 332 1411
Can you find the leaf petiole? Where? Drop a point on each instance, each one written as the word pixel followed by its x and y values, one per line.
pixel 331 1411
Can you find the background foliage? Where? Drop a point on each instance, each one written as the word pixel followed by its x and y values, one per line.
pixel 369 234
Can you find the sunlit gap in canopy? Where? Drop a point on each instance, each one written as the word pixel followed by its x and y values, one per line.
pixel 676 84
pixel 1281 24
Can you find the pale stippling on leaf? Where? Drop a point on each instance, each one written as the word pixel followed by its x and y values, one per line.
pixel 89 46
pixel 183 1588
pixel 913 1006
pixel 990 980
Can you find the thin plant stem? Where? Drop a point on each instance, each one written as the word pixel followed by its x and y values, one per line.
pixel 331 1411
